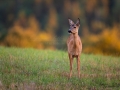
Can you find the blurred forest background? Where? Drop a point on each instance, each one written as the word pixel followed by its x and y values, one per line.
pixel 43 24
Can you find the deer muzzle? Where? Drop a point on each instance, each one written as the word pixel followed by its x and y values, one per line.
pixel 69 31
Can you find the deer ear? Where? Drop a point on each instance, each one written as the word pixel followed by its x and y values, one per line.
pixel 78 22
pixel 70 22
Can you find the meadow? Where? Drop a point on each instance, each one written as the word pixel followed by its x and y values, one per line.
pixel 32 69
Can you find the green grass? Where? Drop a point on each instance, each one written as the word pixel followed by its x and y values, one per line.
pixel 30 69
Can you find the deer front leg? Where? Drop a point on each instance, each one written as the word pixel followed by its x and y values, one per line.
pixel 71 62
pixel 78 66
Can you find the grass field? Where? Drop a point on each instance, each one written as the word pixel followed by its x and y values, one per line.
pixel 30 69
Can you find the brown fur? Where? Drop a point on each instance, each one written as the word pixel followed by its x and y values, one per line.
pixel 74 45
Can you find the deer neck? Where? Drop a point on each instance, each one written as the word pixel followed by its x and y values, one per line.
pixel 75 37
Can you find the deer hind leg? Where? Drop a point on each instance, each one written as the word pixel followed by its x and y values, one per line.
pixel 78 66
pixel 71 63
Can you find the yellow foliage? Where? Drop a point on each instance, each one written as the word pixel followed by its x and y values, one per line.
pixel 44 37
pixel 106 43
pixel 46 40
pixel 28 36
pixel 111 38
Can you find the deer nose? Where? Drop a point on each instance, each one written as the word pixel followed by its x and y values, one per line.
pixel 69 31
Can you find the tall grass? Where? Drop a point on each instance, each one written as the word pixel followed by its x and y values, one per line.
pixel 30 69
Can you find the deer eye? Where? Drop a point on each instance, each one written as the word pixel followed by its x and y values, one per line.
pixel 74 27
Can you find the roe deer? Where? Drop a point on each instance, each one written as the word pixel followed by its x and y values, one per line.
pixel 74 45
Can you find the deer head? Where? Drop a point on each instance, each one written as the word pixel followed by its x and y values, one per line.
pixel 74 26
